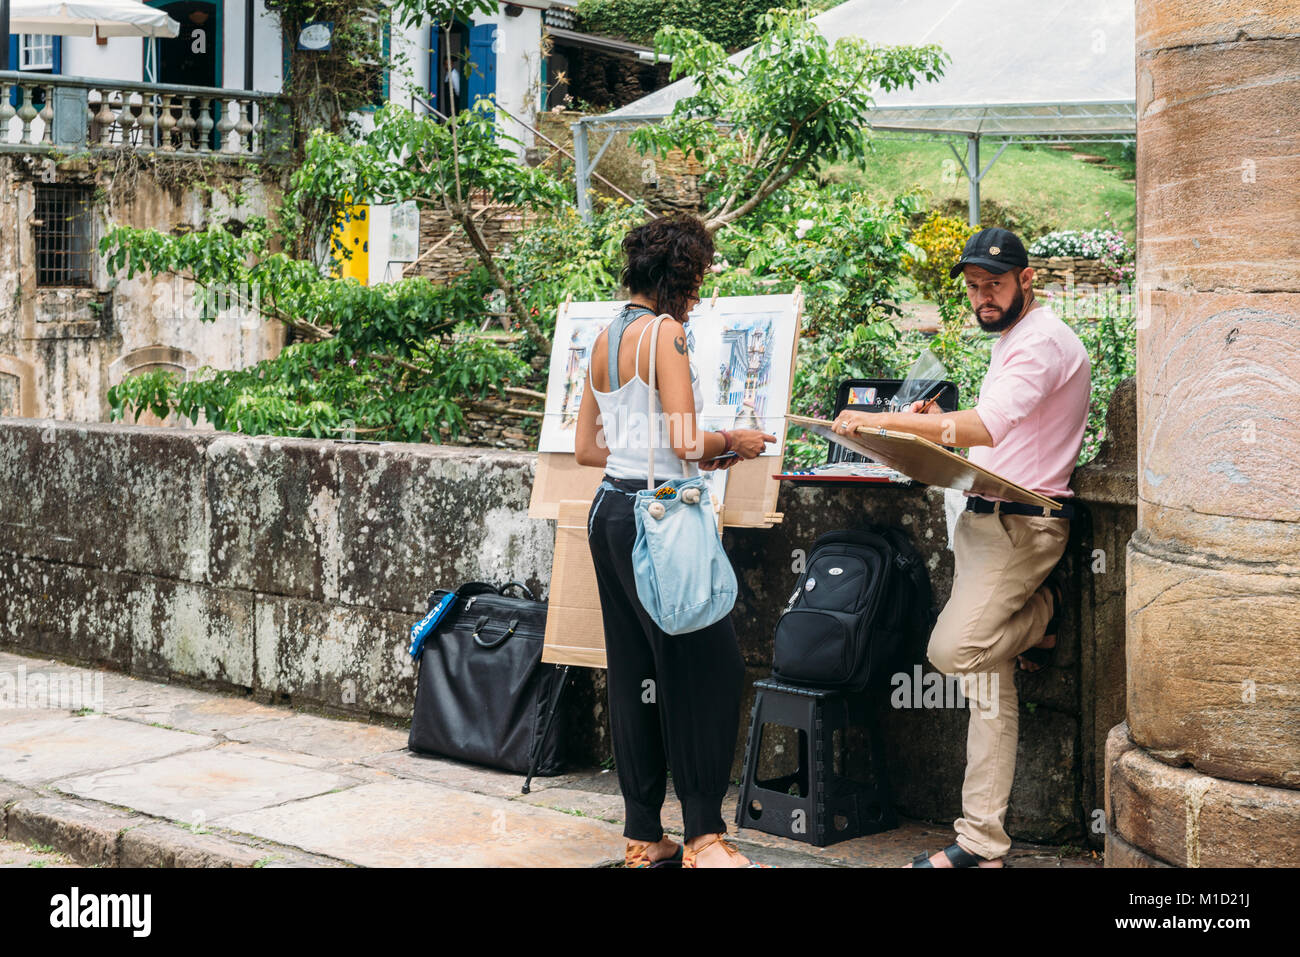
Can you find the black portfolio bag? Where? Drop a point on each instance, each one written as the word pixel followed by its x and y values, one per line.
pixel 483 694
pixel 861 609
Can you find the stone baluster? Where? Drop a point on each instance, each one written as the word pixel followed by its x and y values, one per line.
pixel 47 117
pixel 203 141
pixel 186 125
pixel 126 118
pixel 148 121
pixel 225 126
pixel 7 112
pixel 167 123
pixel 105 118
pixel 27 113
pixel 244 127
pixel 92 110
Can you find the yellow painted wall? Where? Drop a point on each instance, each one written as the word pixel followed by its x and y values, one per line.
pixel 352 232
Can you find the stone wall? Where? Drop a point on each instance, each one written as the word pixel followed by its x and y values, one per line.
pixel 292 570
pixel 668 183
pixel 62 348
pixel 287 568
pixel 444 249
pixel 1069 271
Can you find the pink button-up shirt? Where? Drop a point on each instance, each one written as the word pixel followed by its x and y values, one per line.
pixel 1034 403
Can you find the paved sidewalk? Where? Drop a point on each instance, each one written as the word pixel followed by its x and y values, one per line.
pixel 168 776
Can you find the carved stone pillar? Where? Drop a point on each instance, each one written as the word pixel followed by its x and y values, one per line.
pixel 1207 767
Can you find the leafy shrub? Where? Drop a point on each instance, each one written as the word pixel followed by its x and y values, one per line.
pixel 940 240
pixel 845 251
pixel 558 256
pixel 731 23
pixel 1111 343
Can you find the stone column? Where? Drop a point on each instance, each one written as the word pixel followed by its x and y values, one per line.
pixel 1206 771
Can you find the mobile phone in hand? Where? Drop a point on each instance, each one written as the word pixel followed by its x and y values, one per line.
pixel 723 457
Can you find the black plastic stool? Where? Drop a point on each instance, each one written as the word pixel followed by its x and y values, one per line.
pixel 827 807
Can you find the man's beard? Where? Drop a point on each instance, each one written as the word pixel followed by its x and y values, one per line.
pixel 1008 316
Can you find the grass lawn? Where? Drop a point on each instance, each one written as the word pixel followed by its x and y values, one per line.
pixel 1042 188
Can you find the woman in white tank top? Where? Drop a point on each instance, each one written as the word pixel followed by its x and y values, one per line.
pixel 673 699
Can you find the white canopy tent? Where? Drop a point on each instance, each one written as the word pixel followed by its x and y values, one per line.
pixel 88 18
pixel 1020 71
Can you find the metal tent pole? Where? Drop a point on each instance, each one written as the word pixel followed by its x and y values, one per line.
pixel 582 169
pixel 248 44
pixel 4 36
pixel 973 176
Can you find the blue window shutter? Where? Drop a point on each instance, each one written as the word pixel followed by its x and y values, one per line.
pixel 483 77
pixel 58 55
pixel 14 100
pixel 435 40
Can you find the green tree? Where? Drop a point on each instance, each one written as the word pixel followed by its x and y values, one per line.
pixel 395 360
pixel 795 103
pixel 391 361
pixel 452 165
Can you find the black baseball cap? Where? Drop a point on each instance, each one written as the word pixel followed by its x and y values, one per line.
pixel 994 249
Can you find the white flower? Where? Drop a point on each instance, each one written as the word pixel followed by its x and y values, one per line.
pixel 803 226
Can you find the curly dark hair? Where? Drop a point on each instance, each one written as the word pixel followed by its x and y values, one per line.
pixel 666 261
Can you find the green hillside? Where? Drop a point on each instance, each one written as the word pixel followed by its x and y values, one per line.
pixel 1038 188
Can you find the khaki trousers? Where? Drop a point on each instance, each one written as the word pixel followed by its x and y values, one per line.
pixel 996 611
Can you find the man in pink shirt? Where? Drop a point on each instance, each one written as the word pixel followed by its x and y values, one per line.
pixel 1006 593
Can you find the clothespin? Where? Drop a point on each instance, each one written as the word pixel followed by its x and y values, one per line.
pixel 564 308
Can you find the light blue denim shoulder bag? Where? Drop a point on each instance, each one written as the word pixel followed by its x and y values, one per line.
pixel 683 576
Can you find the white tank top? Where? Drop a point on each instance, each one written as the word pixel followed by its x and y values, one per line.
pixel 628 434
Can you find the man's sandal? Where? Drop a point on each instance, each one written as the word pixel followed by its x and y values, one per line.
pixel 956 854
pixel 1055 584
pixel 689 859
pixel 634 855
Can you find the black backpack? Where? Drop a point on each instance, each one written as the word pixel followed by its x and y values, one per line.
pixel 862 608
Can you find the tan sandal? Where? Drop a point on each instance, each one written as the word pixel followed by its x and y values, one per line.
pixel 634 855
pixel 688 859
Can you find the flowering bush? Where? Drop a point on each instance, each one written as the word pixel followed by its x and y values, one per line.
pixel 1086 244
pixel 1105 245
pixel 940 239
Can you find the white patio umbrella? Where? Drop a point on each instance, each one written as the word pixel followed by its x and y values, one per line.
pixel 88 18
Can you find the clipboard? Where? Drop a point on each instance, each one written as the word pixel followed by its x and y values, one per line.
pixel 922 460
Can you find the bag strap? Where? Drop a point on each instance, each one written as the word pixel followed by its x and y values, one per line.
pixel 630 313
pixel 650 403
pixel 521 586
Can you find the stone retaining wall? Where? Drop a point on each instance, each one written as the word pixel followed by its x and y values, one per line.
pixel 292 569
pixel 1069 271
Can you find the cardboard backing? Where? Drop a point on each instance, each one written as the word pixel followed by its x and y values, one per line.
pixel 575 632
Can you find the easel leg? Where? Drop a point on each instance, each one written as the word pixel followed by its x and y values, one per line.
pixel 546 729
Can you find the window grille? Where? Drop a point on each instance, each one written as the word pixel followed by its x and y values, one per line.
pixel 36 51
pixel 62 232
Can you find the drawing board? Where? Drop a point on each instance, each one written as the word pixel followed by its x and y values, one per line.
pixel 922 460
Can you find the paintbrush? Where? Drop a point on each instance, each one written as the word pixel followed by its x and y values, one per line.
pixel 931 401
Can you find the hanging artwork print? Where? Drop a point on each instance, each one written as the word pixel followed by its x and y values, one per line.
pixel 741 349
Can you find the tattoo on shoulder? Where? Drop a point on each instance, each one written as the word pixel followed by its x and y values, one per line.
pixel 680 343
